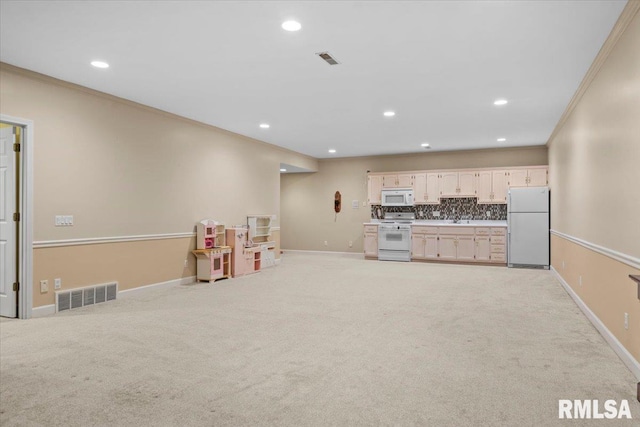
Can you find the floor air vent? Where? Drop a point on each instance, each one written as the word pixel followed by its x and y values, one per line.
pixel 76 298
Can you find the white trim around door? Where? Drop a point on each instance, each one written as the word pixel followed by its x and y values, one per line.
pixel 25 273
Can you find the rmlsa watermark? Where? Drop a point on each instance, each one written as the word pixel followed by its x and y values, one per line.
pixel 590 409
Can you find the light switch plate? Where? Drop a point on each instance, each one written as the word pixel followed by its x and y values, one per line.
pixel 355 204
pixel 436 214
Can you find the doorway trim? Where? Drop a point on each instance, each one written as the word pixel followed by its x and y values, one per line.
pixel 25 273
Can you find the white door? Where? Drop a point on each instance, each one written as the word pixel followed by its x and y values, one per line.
pixel 7 225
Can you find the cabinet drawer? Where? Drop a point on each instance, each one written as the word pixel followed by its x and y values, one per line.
pixel 502 231
pixel 421 229
pixel 370 228
pixel 458 231
pixel 483 231
pixel 499 239
pixel 498 257
pixel 498 249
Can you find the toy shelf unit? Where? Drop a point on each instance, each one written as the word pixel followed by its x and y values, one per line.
pixel 209 234
pixel 260 234
pixel 213 264
pixel 245 256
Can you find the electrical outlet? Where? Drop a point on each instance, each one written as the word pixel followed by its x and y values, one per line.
pixel 626 320
pixel 326 243
pixel 186 263
pixel 488 214
pixel 350 244
pixel 580 280
pixel 436 214
pixel 57 284
pixel 44 286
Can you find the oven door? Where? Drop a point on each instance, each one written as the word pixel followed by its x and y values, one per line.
pixel 393 238
pixel 394 243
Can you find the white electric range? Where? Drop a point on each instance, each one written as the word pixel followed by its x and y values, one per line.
pixel 394 236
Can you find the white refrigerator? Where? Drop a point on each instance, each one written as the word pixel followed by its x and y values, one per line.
pixel 528 227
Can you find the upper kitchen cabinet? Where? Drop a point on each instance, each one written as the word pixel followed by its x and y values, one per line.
pixel 375 188
pixel 492 186
pixel 400 180
pixel 426 189
pixel 528 177
pixel 458 184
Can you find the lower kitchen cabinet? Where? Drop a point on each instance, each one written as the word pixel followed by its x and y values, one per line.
pixel 371 241
pixel 483 247
pixel 456 243
pixel 424 242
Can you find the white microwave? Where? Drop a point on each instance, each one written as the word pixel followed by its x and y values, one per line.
pixel 397 197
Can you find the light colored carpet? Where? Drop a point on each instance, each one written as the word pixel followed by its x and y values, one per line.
pixel 318 340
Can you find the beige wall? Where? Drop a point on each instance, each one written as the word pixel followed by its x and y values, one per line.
pixel 307 199
pixel 595 179
pixel 131 264
pixel 594 158
pixel 122 169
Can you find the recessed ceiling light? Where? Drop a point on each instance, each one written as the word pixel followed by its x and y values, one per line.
pixel 389 113
pixel 502 139
pixel 425 145
pixel 283 170
pixel 500 102
pixel 99 64
pixel 332 150
pixel 264 126
pixel 291 26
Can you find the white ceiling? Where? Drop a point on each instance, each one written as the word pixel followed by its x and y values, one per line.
pixel 438 64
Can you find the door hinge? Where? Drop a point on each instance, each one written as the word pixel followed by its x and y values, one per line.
pixel 16 286
pixel 16 147
pixel 16 216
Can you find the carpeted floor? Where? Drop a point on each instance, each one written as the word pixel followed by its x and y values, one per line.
pixel 318 340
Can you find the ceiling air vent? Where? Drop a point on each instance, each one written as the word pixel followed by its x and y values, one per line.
pixel 328 58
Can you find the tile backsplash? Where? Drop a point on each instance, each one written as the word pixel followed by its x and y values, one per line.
pixel 449 208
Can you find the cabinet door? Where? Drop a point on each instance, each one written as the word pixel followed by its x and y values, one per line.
pixel 405 180
pixel 518 178
pixel 433 188
pixel 483 182
pixel 467 183
pixel 420 188
pixel 371 244
pixel 465 248
pixel 483 248
pixel 431 246
pixel 499 187
pixel 447 247
pixel 390 181
pixel 449 184
pixel 417 246
pixel 375 187
pixel 537 177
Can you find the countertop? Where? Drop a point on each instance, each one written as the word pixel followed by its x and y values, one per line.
pixel 439 223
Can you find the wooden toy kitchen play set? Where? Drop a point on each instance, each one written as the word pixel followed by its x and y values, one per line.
pixel 222 253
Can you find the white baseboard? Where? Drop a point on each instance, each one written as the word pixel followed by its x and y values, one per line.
pixel 175 282
pixel 626 357
pixel 42 311
pixel 348 254
pixel 47 310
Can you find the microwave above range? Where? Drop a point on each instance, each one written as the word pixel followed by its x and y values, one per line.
pixel 397 197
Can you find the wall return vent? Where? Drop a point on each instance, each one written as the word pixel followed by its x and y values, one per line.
pixel 328 58
pixel 81 297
